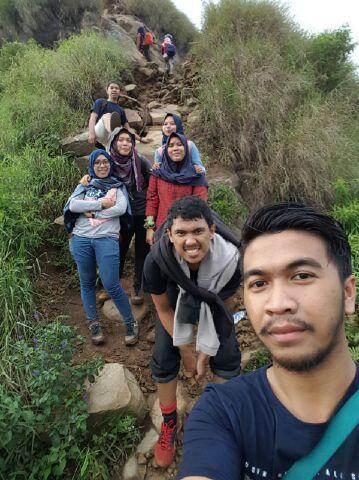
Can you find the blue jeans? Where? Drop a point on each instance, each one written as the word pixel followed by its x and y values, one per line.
pixel 105 252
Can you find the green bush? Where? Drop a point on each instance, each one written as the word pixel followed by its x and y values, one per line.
pixel 163 17
pixel 224 200
pixel 257 360
pixel 44 418
pixel 346 210
pixel 34 186
pixel 329 52
pixel 261 110
pixel 47 94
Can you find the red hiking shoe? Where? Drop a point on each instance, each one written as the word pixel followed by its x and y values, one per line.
pixel 166 445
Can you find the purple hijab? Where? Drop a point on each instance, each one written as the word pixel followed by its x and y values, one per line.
pixel 182 172
pixel 126 168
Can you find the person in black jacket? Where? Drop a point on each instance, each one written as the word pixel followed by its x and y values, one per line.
pixel 134 170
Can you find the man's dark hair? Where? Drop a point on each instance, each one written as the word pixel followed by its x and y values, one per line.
pixel 116 82
pixel 189 208
pixel 294 216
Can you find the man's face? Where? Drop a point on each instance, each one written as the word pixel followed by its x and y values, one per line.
pixel 113 91
pixel 191 239
pixel 295 298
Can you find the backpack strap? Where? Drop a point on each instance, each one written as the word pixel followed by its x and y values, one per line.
pixel 339 428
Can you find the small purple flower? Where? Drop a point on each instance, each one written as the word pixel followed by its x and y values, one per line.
pixel 37 315
pixel 36 373
pixel 20 337
pixel 63 344
pixel 85 397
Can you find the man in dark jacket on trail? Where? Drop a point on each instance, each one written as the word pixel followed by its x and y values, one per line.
pixel 190 272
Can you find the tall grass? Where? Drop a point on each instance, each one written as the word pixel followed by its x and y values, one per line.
pixel 47 94
pixel 33 188
pixel 261 109
pixel 163 17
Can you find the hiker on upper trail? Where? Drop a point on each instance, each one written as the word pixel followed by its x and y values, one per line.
pixel 174 179
pixel 92 215
pixel 106 115
pixel 140 38
pixel 298 287
pixel 147 44
pixel 190 272
pixel 173 123
pixel 168 52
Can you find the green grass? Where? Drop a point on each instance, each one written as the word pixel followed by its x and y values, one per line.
pixel 47 94
pixel 262 111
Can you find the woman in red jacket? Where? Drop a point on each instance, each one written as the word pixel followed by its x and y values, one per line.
pixel 176 178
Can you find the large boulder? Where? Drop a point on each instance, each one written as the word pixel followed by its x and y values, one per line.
pixel 134 119
pixel 154 136
pixel 111 29
pixel 77 144
pixel 110 311
pixel 116 390
pixel 158 114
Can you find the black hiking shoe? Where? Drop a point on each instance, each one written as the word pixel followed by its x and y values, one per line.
pixel 115 121
pixel 131 336
pixel 96 333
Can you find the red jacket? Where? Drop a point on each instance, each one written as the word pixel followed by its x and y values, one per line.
pixel 161 195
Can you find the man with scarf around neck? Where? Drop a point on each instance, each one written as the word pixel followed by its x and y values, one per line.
pixel 191 273
pixel 172 123
pixel 95 212
pixel 176 178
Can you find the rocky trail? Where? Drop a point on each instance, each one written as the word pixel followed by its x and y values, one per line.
pixel 149 95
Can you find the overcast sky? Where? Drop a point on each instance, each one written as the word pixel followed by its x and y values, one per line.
pixel 312 15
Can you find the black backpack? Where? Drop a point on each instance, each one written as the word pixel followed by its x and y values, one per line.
pixel 171 50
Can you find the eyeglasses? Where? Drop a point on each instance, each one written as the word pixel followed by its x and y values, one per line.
pixel 100 163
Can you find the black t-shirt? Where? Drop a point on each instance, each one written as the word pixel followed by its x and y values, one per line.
pixel 102 106
pixel 156 282
pixel 241 430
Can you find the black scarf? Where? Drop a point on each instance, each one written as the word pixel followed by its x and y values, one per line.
pixel 162 253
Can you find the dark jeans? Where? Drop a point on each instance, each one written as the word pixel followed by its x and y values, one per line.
pixel 166 358
pixel 146 52
pixel 141 248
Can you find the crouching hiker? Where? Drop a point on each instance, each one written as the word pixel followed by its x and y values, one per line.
pixel 298 418
pixel 92 216
pixel 190 272
pixel 106 115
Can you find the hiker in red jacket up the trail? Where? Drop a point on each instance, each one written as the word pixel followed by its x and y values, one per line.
pixel 298 417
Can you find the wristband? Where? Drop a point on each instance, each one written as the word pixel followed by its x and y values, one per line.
pixel 149 224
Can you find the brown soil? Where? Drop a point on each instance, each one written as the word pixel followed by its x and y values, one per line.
pixel 60 296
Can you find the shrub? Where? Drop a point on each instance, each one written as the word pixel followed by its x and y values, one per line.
pixel 34 186
pixel 44 419
pixel 163 17
pixel 257 360
pixel 224 200
pixel 329 52
pixel 47 94
pixel 260 107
